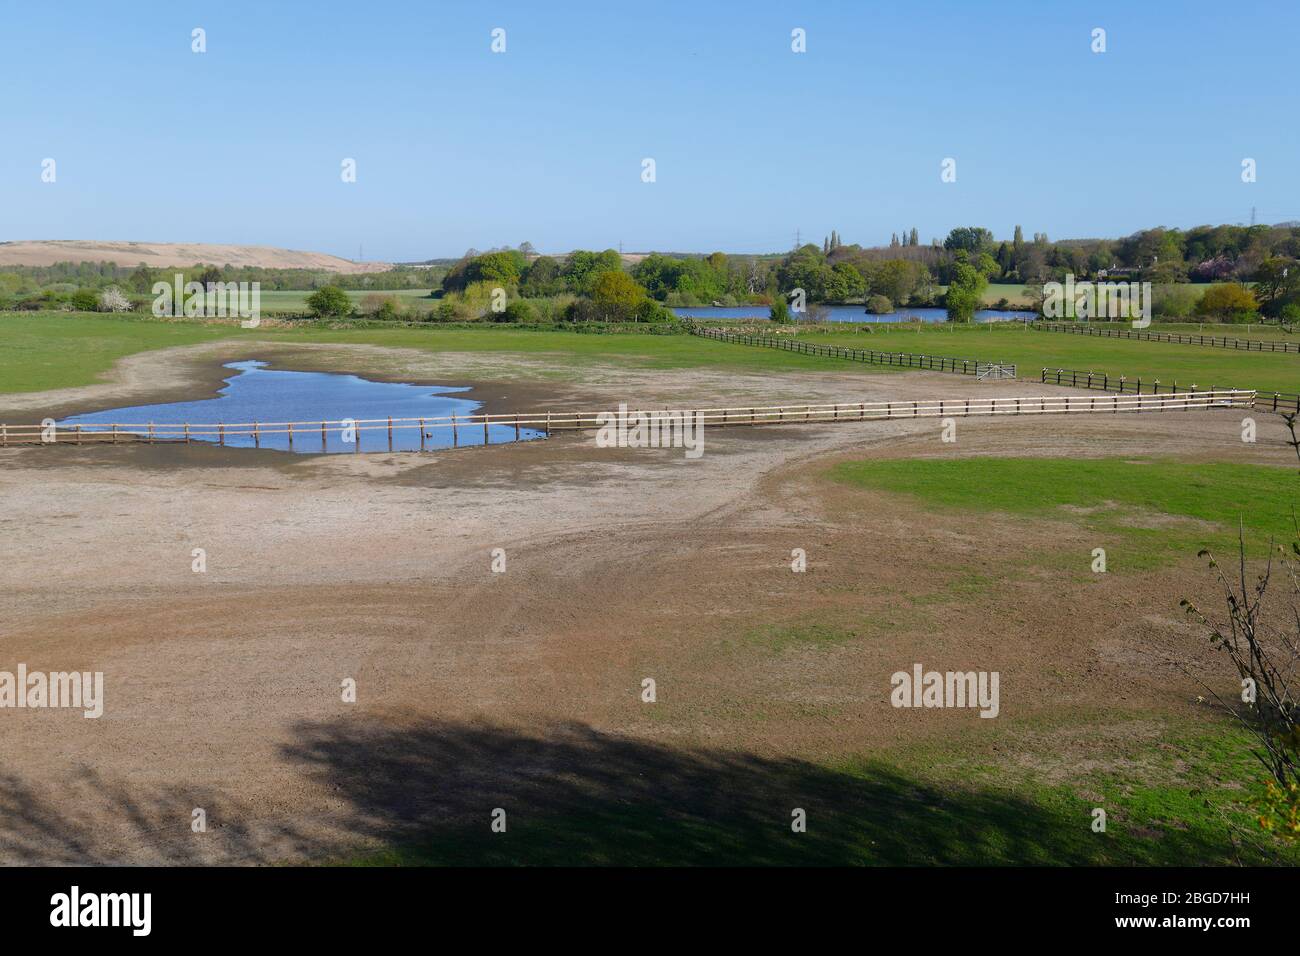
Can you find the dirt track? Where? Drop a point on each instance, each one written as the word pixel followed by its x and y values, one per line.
pixel 223 687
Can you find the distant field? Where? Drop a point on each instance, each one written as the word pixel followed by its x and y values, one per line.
pixel 1014 292
pixel 296 301
pixel 1220 330
pixel 57 350
pixel 1032 351
pixel 44 350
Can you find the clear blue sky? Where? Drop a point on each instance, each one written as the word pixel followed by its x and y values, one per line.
pixel 458 147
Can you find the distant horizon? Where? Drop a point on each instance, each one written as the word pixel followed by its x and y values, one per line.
pixel 701 251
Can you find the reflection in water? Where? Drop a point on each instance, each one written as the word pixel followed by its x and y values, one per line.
pixel 258 394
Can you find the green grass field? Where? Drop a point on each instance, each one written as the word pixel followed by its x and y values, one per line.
pixel 1122 501
pixel 1013 292
pixel 1032 351
pixel 42 350
pixel 1220 330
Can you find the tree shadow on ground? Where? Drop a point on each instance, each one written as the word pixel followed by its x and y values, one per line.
pixel 95 821
pixel 424 792
pixel 578 796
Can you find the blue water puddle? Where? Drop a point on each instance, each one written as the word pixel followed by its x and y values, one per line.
pixel 851 313
pixel 258 394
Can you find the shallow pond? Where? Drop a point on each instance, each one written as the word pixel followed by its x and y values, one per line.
pixel 849 313
pixel 255 393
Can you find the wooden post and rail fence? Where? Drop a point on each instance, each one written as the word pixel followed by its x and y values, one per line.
pixel 1180 338
pixel 1285 402
pixel 298 434
pixel 933 363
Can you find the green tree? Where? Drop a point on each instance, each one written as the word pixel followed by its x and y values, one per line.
pixel 502 268
pixel 965 290
pixel 516 310
pixel 142 279
pixel 1277 284
pixel 582 267
pixel 541 278
pixel 85 300
pixel 972 239
pixel 328 301
pixel 988 265
pixel 841 283
pixel 616 295
pixel 898 279
pixel 879 305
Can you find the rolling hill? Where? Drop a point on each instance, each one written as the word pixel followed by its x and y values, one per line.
pixel 173 254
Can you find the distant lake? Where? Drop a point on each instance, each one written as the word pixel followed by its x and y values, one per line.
pixel 257 394
pixel 849 313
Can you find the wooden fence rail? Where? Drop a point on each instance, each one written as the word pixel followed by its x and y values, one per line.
pixel 1247 345
pixel 935 363
pixel 1269 401
pixel 546 423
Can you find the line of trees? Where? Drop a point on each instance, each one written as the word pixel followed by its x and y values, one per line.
pixel 1243 272
pixel 69 284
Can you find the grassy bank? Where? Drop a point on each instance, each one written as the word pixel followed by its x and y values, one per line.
pixel 42 350
pixel 1126 504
